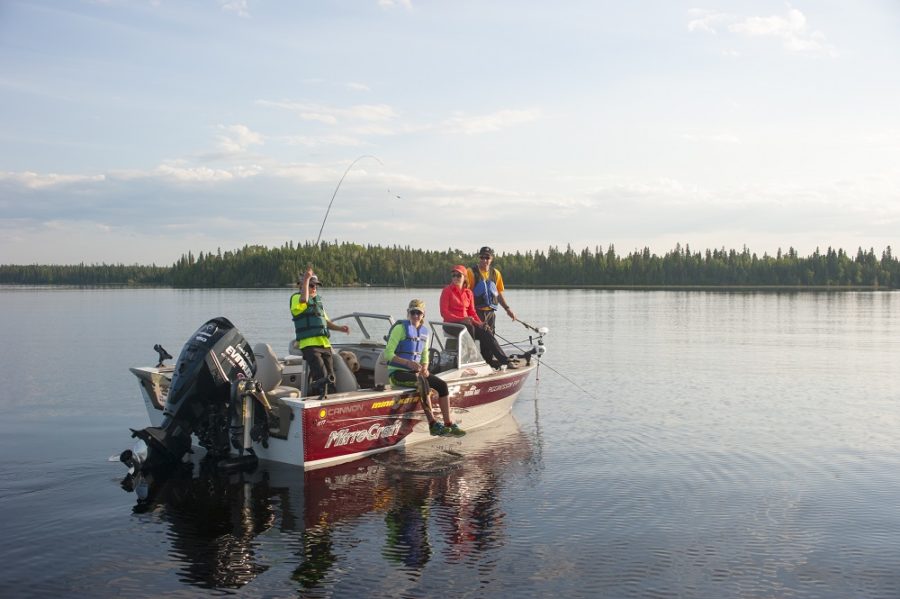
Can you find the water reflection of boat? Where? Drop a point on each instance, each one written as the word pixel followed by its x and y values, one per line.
pixel 449 489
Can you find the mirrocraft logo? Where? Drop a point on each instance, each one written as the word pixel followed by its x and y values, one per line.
pixel 346 437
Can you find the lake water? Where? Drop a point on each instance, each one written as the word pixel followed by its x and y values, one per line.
pixel 676 444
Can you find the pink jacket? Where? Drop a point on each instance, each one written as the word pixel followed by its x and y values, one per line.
pixel 457 303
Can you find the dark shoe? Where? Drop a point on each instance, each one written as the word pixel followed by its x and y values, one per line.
pixel 453 431
pixel 437 429
pixel 319 388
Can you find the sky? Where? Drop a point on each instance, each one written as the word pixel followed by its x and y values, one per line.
pixel 136 131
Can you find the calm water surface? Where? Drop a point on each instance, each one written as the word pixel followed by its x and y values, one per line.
pixel 677 444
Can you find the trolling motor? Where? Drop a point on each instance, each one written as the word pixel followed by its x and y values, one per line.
pixel 212 397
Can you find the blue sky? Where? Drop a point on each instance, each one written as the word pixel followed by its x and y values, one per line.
pixel 136 131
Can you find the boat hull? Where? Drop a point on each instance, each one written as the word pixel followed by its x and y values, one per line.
pixel 354 425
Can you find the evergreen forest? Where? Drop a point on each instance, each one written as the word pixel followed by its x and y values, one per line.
pixel 349 264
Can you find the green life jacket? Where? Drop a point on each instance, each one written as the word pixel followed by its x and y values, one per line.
pixel 311 322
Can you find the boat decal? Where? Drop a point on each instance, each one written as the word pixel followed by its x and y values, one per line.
pixel 369 418
pixel 204 335
pixel 233 355
pixel 345 410
pixel 388 403
pixel 503 386
pixel 346 437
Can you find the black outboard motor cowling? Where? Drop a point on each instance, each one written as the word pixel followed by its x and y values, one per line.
pixel 198 402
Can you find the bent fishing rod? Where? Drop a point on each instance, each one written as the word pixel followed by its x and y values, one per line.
pixel 334 195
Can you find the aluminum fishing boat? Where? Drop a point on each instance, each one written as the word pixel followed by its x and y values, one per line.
pixel 242 403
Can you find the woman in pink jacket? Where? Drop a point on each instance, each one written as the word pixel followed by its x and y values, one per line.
pixel 458 306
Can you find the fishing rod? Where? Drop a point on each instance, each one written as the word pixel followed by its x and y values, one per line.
pixel 544 363
pixel 334 195
pixel 539 331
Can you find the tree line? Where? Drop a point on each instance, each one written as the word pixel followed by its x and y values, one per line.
pixel 349 264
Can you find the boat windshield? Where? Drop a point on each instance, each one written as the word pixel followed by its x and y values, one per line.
pixel 365 329
pixel 455 344
pixel 456 347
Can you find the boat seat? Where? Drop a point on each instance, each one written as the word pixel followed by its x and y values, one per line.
pixel 435 365
pixel 381 372
pixel 344 379
pixel 268 372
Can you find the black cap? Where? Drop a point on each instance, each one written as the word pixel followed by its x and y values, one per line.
pixel 313 280
pixel 486 250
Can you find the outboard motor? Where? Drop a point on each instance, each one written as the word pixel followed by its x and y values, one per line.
pixel 210 365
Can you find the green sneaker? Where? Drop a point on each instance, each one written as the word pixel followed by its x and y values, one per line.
pixel 453 431
pixel 437 429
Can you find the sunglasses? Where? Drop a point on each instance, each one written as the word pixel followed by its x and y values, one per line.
pixel 416 312
pixel 485 257
pixel 455 274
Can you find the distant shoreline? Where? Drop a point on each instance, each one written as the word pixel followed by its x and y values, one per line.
pixel 784 288
pixel 354 265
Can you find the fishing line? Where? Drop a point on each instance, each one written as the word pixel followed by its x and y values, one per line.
pixel 543 363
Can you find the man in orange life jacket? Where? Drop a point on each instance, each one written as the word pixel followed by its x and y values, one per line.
pixel 486 284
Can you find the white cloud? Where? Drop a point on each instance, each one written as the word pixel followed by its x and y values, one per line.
pixel 239 7
pixel 358 87
pixel 371 112
pixel 179 171
pixel 791 28
pixel 590 210
pixel 193 174
pixel 238 138
pixel 720 138
pixel 488 123
pixel 32 180
pixel 332 115
pixel 706 20
pixel 309 173
pixel 310 141
pixel 390 4
pixel 381 120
